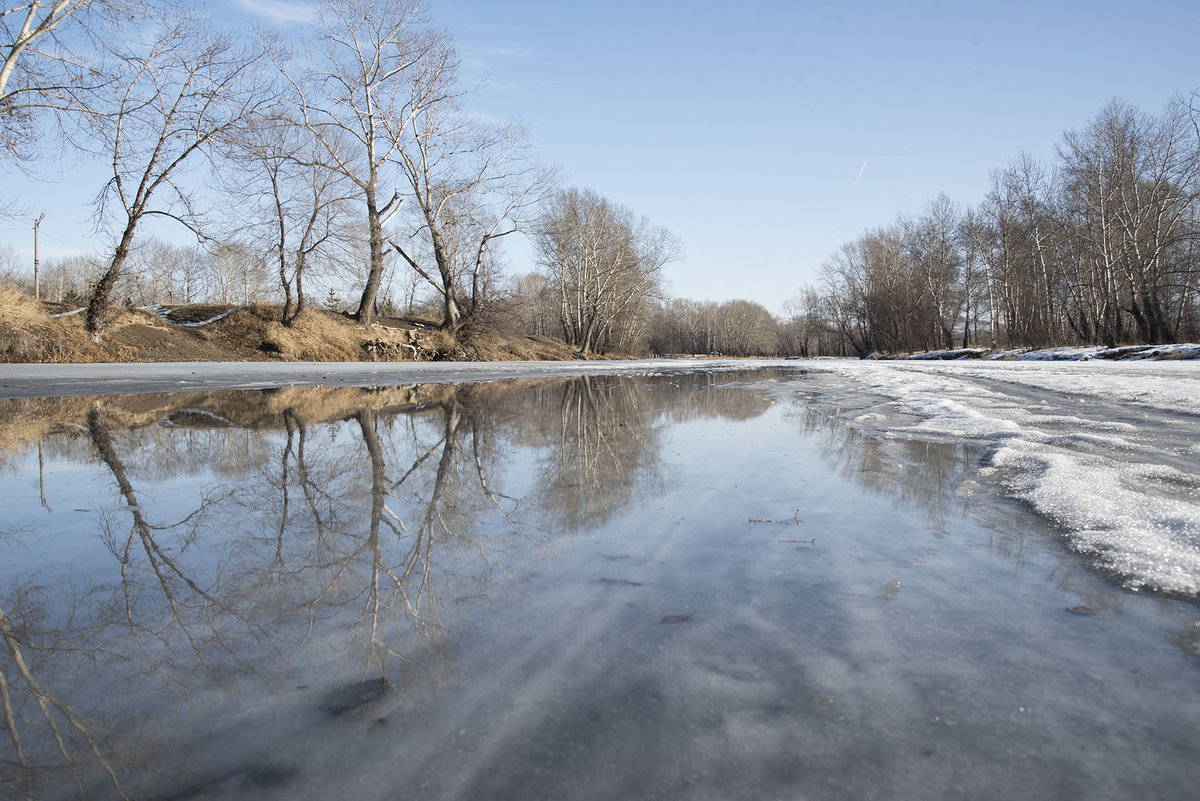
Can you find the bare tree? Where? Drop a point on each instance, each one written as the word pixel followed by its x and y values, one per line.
pixel 933 245
pixel 535 304
pixel 970 239
pixel 473 183
pixel 39 69
pixel 186 88
pixel 301 216
pixel 237 274
pixel 804 331
pixel 1133 180
pixel 1018 235
pixel 745 328
pixel 684 326
pixel 377 71
pixel 69 278
pixel 606 265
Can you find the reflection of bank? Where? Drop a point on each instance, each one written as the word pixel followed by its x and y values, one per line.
pixel 327 533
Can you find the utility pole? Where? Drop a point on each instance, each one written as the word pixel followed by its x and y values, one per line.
pixel 37 290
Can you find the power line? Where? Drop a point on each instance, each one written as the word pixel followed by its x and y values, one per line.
pixel 50 236
pixel 63 241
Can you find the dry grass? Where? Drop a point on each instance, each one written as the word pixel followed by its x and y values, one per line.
pixel 251 333
pixel 315 336
pixel 28 334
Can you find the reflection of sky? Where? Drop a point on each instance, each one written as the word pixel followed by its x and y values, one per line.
pixel 60 540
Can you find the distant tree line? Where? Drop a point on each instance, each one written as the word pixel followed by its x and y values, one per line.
pixel 158 272
pixel 1102 246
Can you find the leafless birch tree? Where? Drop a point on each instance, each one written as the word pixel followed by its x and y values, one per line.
pixel 605 264
pixel 185 89
pixel 473 183
pixel 1134 181
pixel 299 210
pixel 471 190
pixel 38 70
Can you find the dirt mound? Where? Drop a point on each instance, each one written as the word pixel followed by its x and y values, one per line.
pixel 33 332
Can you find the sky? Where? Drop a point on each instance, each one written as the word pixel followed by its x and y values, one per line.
pixel 767 135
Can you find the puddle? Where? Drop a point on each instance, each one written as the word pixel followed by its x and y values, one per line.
pixel 690 585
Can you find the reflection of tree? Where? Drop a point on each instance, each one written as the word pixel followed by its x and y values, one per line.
pixel 387 586
pixel 703 396
pixel 604 453
pixel 915 470
pixel 160 617
pixel 180 590
pixel 32 710
pixel 603 435
pixel 363 533
pixel 385 524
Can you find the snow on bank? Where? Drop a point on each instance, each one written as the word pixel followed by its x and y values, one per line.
pixel 164 313
pixel 1108 450
pixel 1185 351
pixel 1071 354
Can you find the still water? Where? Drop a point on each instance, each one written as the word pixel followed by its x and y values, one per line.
pixel 700 586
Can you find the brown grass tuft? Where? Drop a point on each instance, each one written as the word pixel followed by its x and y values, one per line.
pixel 28 334
pixel 315 336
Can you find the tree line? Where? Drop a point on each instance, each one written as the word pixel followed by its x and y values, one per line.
pixel 1097 247
pixel 1101 246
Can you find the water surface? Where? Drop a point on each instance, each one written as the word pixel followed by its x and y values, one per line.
pixel 696 585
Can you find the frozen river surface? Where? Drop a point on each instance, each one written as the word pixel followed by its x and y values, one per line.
pixel 805 580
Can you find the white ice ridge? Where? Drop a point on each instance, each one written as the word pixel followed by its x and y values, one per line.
pixel 1106 450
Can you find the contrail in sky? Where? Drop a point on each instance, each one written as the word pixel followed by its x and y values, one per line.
pixel 861 170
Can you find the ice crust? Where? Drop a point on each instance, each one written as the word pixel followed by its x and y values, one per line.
pixel 1126 491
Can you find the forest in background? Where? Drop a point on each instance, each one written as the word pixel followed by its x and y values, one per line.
pixel 348 156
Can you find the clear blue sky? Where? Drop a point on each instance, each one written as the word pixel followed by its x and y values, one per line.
pixel 745 130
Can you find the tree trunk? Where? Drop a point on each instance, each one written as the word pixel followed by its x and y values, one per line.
pixel 366 304
pixel 301 263
pixel 101 297
pixel 288 314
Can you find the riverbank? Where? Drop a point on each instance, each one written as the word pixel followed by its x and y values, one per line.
pixel 33 332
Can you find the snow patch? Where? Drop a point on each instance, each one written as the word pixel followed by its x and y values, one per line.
pixel 1113 512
